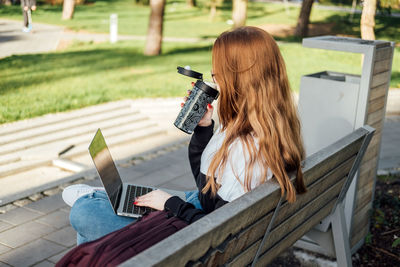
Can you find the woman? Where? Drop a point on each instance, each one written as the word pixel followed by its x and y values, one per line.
pixel 259 136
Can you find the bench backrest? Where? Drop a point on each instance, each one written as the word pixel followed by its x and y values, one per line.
pixel 231 234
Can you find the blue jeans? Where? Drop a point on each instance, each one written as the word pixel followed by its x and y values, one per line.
pixel 93 217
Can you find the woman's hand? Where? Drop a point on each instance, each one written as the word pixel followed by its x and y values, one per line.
pixel 207 118
pixel 155 199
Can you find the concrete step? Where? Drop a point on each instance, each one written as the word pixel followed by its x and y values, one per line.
pixel 29 124
pixel 42 156
pixel 51 128
pixel 66 133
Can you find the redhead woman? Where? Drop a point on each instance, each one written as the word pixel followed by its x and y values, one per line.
pixel 258 138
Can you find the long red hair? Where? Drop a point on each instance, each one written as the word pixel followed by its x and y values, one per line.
pixel 256 101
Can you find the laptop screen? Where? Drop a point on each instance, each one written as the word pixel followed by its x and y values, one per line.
pixel 106 168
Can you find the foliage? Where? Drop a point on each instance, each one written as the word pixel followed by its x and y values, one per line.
pixel 184 21
pixel 396 241
pixel 382 243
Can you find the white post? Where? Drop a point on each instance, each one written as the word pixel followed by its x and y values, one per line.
pixel 113 28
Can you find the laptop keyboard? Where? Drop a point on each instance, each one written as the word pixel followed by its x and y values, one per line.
pixel 134 191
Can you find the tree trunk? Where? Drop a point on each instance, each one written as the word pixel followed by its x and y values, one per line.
pixel 213 9
pixel 68 9
pixel 368 20
pixel 353 10
pixel 155 31
pixel 239 13
pixel 191 3
pixel 304 18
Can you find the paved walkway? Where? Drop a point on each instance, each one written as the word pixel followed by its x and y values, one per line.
pixel 46 38
pixel 38 233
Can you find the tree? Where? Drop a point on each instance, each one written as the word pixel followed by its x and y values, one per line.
pixel 68 9
pixel 191 3
pixel 304 18
pixel 368 20
pixel 239 13
pixel 155 30
pixel 213 9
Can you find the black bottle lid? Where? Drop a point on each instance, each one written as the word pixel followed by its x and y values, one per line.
pixel 190 73
pixel 207 89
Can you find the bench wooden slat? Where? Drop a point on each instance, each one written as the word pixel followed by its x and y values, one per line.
pixel 378 91
pixel 380 79
pixel 376 104
pixel 383 65
pixel 279 233
pixel 192 242
pixel 383 53
pixel 362 227
pixel 255 231
pixel 375 116
pixel 297 234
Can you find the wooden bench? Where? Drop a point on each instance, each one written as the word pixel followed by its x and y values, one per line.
pixel 232 234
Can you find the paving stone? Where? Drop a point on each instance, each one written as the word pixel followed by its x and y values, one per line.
pixel 151 165
pixel 47 204
pixel 31 253
pixel 2 264
pixel 4 249
pixel 6 208
pixel 57 219
pixel 164 175
pixel 4 226
pixel 22 202
pixel 127 175
pixel 183 183
pixel 52 191
pixel 65 237
pixel 19 216
pixel 180 154
pixel 95 183
pixel 58 257
pixel 44 264
pixel 24 234
pixel 36 197
pixel 66 209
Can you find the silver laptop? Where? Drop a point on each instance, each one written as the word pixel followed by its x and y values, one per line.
pixel 121 195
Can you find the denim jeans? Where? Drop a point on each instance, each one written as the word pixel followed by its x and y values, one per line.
pixel 93 217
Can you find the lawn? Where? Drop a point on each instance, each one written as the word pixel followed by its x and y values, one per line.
pixel 87 74
pixel 184 21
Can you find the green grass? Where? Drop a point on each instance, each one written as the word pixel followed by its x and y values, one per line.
pixel 88 74
pixel 33 85
pixel 183 21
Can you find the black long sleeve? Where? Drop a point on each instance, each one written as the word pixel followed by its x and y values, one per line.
pixel 184 210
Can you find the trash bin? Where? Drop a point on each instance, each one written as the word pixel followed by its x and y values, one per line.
pixel 332 105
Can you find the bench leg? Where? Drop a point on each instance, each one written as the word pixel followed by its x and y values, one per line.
pixel 341 237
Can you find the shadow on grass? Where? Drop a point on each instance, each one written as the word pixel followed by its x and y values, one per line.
pixel 188 50
pixel 387 28
pixel 289 39
pixel 44 68
pixel 395 79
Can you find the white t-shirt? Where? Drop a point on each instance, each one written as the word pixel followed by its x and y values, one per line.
pixel 230 187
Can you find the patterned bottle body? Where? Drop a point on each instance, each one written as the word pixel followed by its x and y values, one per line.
pixel 195 107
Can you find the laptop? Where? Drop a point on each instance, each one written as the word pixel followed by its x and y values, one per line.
pixel 121 195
